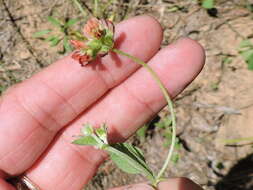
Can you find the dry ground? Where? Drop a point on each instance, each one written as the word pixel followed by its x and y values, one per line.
pixel 218 105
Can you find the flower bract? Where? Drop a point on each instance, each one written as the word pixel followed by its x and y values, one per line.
pixel 95 40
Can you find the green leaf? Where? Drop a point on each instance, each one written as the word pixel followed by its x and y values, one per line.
pixel 41 33
pixel 87 129
pixel 245 44
pixel 124 164
pixel 250 62
pixel 67 45
pixel 246 54
pixel 249 7
pixel 94 44
pixel 129 159
pixel 164 123
pixel 173 9
pixel 71 22
pixel 175 157
pixel 55 21
pixel 50 38
pixel 167 121
pixel 227 60
pixel 134 153
pixel 55 41
pixel 107 40
pixel 137 152
pixel 102 133
pixel 86 140
pixel 104 49
pixel 141 133
pixel 2 89
pixel 208 4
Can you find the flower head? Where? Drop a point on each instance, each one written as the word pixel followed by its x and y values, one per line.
pixel 96 40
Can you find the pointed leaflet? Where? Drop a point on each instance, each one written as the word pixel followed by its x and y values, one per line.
pixel 129 159
pixel 87 129
pixel 55 41
pixel 41 33
pixel 70 22
pixel 102 133
pixel 54 21
pixel 136 151
pixel 124 164
pixel 67 45
pixel 86 140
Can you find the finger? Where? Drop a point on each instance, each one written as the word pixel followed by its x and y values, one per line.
pixel 5 186
pixel 171 184
pixel 137 187
pixel 178 184
pixel 33 112
pixel 123 111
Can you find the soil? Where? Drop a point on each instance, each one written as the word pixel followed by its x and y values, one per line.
pixel 217 106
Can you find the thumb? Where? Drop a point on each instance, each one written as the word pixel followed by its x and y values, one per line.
pixel 135 187
pixel 178 184
pixel 170 184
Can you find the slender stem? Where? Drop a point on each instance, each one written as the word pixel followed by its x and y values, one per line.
pixel 233 141
pixel 95 11
pixel 170 105
pixel 79 6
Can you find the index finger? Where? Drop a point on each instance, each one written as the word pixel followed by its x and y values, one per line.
pixel 175 184
pixel 34 111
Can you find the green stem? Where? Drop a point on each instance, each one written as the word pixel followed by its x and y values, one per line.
pixel 95 12
pixel 170 105
pixel 79 6
pixel 233 141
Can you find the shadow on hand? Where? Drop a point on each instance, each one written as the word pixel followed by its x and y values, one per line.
pixel 97 64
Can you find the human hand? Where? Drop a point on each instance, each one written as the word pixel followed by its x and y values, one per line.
pixel 40 116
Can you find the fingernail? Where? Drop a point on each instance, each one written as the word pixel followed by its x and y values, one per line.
pixel 139 187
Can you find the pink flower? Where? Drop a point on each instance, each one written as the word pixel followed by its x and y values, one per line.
pixel 92 29
pixel 79 54
pixel 97 41
pixel 83 59
pixel 95 28
pixel 78 44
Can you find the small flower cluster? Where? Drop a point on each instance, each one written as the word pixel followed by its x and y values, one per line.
pixel 95 40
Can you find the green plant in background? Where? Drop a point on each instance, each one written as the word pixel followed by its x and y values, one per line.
pixel 165 125
pixel 101 9
pixel 249 6
pixel 246 51
pixel 141 133
pixel 11 78
pixel 62 34
pixel 63 28
pixel 207 4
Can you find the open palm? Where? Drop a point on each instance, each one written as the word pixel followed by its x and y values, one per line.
pixel 40 116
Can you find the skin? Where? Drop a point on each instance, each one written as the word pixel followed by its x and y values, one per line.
pixel 40 116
